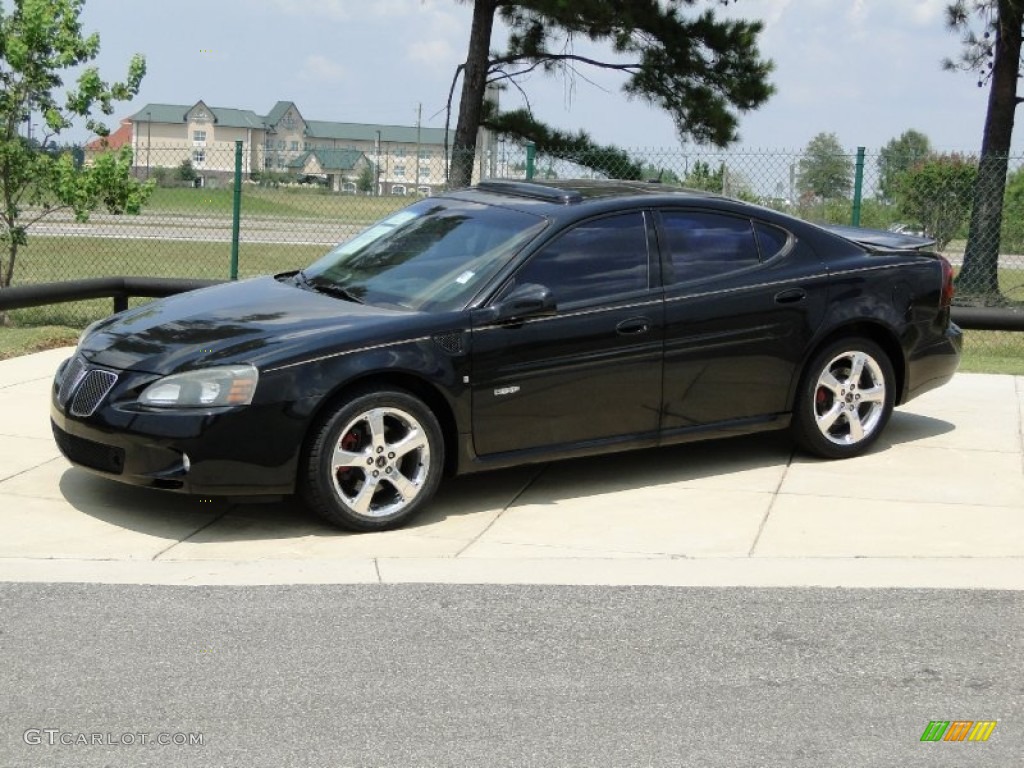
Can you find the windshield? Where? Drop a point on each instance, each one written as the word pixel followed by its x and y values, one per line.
pixel 432 256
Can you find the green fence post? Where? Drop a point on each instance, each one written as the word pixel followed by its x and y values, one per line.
pixel 531 159
pixel 858 188
pixel 236 212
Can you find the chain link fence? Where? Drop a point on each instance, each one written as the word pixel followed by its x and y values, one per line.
pixel 296 205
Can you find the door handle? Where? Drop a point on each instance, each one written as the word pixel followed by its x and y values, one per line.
pixel 633 327
pixel 790 296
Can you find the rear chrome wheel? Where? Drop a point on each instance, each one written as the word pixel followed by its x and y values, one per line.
pixel 374 462
pixel 845 399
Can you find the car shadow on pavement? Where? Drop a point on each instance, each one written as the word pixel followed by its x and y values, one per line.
pixel 754 463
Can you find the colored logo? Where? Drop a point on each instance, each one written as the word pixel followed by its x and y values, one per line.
pixel 958 730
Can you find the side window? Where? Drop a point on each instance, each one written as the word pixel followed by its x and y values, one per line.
pixel 703 245
pixel 597 259
pixel 771 240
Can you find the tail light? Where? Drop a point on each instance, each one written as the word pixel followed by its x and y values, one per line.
pixel 948 289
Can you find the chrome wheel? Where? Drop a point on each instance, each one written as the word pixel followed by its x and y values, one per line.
pixel 849 399
pixel 845 399
pixel 380 463
pixel 374 461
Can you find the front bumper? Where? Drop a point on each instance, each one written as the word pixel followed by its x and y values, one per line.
pixel 248 450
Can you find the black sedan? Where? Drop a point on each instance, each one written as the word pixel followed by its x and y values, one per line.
pixel 504 324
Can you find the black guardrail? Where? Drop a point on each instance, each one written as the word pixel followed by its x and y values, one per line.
pixel 117 288
pixel 989 318
pixel 120 288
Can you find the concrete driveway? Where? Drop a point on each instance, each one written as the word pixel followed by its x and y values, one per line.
pixel 938 503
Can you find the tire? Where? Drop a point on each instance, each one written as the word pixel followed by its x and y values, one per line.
pixel 373 462
pixel 845 399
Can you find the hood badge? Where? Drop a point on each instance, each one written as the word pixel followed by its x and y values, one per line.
pixel 506 391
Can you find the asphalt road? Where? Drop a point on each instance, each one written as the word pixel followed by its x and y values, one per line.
pixel 506 676
pixel 203 228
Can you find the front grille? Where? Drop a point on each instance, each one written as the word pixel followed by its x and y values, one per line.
pixel 93 389
pixel 72 375
pixel 105 458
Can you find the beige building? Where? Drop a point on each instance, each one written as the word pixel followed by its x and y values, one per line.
pixel 395 159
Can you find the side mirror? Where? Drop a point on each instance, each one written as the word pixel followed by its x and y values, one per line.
pixel 527 300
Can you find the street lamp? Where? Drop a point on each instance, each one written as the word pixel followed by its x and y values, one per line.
pixel 376 188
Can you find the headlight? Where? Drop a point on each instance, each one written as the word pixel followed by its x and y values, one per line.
pixel 209 387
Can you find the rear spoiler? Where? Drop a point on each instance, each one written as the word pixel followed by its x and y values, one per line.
pixel 880 238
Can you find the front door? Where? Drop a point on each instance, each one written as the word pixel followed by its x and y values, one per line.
pixel 590 374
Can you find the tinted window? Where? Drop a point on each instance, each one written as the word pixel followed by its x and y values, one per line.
pixel 597 259
pixel 705 245
pixel 770 239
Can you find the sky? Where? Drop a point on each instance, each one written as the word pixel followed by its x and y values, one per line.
pixel 866 70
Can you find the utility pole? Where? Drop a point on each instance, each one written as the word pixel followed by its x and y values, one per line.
pixel 419 118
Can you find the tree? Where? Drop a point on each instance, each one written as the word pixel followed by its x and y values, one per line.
pixel 39 41
pixel 995 55
pixel 937 194
pixel 702 177
pixel 652 172
pixel 700 70
pixel 899 156
pixel 186 172
pixel 826 170
pixel 365 180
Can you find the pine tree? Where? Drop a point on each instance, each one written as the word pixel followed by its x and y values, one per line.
pixel 702 70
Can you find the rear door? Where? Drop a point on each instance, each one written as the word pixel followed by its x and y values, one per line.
pixel 592 372
pixel 742 301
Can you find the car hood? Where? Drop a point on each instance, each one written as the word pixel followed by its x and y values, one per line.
pixel 262 321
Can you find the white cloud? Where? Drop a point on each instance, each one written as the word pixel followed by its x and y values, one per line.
pixel 321 69
pixel 331 9
pixel 928 12
pixel 344 10
pixel 433 53
pixel 858 12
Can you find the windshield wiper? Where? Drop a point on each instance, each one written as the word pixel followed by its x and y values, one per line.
pixel 330 289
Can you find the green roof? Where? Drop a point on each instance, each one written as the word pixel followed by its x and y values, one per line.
pixel 278 111
pixel 177 113
pixel 330 159
pixel 404 134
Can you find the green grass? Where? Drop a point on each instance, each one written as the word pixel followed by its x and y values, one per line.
pixel 47 259
pixel 281 202
pixel 993 352
pixel 15 342
pixel 53 259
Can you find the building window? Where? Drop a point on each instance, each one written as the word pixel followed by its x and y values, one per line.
pixel 199 136
pixel 349 187
pixel 424 154
pixel 400 172
pixel 399 151
pixel 198 156
pixel 295 146
pixel 425 191
pixel 306 145
pixel 398 189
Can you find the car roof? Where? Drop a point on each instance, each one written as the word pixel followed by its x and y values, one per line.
pixel 568 200
pixel 570 191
